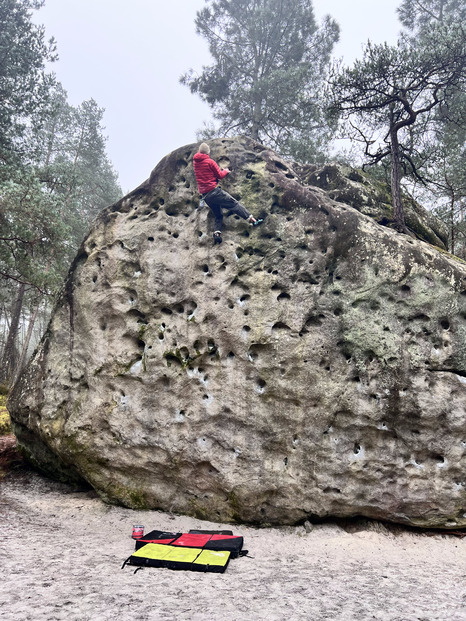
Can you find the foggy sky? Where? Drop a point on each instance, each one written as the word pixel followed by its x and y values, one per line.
pixel 128 56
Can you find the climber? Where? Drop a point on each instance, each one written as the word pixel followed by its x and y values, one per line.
pixel 208 174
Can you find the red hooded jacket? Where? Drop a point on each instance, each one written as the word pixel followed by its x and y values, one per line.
pixel 207 172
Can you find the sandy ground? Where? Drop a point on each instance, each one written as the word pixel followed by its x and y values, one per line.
pixel 61 554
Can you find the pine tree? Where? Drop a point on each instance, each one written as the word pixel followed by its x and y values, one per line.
pixel 24 84
pixel 269 61
pixel 392 95
pixel 54 173
pixel 418 15
pixel 444 146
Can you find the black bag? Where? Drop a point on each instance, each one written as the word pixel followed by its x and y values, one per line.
pixel 156 536
pixel 210 540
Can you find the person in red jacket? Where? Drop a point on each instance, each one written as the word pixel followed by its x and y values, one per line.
pixel 208 175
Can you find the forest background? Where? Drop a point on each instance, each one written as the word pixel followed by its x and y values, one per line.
pixel 399 111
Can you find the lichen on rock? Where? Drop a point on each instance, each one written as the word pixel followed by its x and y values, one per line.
pixel 314 366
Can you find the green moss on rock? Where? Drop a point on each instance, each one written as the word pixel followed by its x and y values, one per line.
pixel 5 423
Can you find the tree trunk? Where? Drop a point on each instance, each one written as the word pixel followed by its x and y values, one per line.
pixel 452 225
pixel 27 340
pixel 256 120
pixel 398 212
pixel 9 358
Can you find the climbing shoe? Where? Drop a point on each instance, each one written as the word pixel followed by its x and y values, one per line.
pixel 217 237
pixel 258 222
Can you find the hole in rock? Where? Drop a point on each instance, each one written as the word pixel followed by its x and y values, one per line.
pixel 172 360
pixel 280 166
pixel 420 317
pixel 314 321
pixel 184 353
pixel 280 326
pixel 134 312
pixel 284 296
pixel 212 347
pixel 191 308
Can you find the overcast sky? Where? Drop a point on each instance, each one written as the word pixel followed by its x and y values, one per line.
pixel 128 55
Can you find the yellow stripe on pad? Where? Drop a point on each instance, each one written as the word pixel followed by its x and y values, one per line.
pixel 212 557
pixel 153 550
pixel 182 555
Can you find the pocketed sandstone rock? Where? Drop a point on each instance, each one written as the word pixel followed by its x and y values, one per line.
pixel 314 366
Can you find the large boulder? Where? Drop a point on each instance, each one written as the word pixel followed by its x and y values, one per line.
pixel 373 198
pixel 314 366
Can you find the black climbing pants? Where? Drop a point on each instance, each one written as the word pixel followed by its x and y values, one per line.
pixel 218 199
